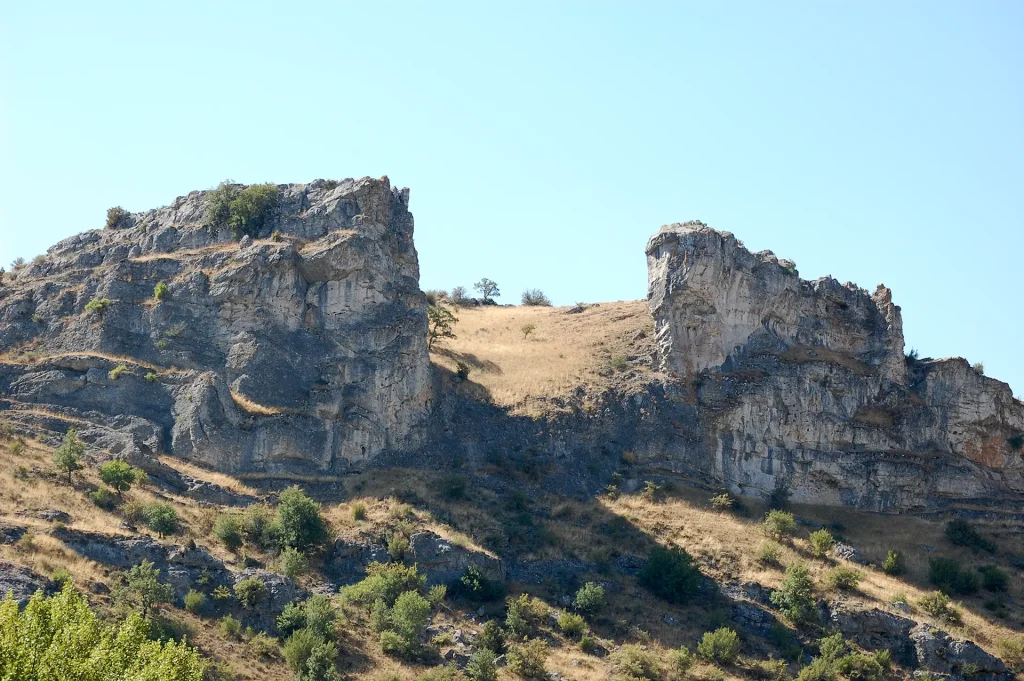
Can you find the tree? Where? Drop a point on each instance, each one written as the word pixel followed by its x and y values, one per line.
pixel 589 599
pixel 535 297
pixel 69 455
pixel 229 530
pixel 145 587
pixel 120 475
pixel 488 290
pixel 795 597
pixel 250 592
pixel 670 574
pixel 161 518
pixel 302 527
pixel 440 323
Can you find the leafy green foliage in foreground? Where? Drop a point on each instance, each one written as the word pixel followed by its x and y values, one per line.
pixel 60 638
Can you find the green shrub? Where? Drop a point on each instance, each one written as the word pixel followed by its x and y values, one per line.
pixel 527 329
pixel 293 562
pixel 721 646
pixel 437 594
pixel 116 372
pixel 669 573
pixel 262 645
pixel 118 218
pixel 572 625
pixel 682 660
pixel 358 512
pixel 589 599
pixel 151 377
pixel 893 563
pixel 244 211
pixel 822 542
pixel 962 533
pixel 251 592
pixel 938 605
pixel 462 370
pixel 588 644
pixel 1011 650
pixel 476 586
pixel 408 620
pixel 535 297
pixel 795 596
pixel 318 614
pixel 60 637
pixel 635 664
pixel 994 579
pixel 524 614
pixel 162 291
pixel 778 524
pixel 230 627
pixel 947 574
pixel 194 601
pixel 453 487
pixel 527 659
pixel 292 618
pixel 68 456
pixel 723 502
pixel 492 637
pixel 864 667
pixel 384 582
pixel 261 527
pixel 144 588
pixel 120 475
pixel 769 553
pixel 770 670
pixel 842 578
pixel 398 544
pixel 302 526
pixel 482 666
pixel 160 517
pixel 228 530
pixel 299 646
pixel 103 498
pixel 97 306
pixel 61 577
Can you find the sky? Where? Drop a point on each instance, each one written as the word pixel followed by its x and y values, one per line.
pixel 545 142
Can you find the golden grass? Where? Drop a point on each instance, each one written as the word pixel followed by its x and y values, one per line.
pixel 220 479
pixel 189 253
pixel 244 403
pixel 562 352
pixel 22 358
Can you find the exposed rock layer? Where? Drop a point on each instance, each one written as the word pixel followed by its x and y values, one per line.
pixel 302 353
pixel 804 384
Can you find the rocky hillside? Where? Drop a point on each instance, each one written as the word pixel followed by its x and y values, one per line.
pixel 297 349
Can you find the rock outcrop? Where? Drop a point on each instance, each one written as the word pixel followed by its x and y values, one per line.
pixel 805 385
pixel 297 350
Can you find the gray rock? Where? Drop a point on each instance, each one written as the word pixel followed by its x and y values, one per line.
pixel 875 629
pixel 847 552
pixel 938 652
pixel 21 582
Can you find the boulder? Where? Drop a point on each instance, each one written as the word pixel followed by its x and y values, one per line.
pixel 938 652
pixel 20 582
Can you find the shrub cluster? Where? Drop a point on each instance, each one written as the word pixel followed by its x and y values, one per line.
pixel 535 297
pixel 795 596
pixel 244 211
pixel 670 573
pixel 778 524
pixel 947 574
pixel 118 218
pixel 962 533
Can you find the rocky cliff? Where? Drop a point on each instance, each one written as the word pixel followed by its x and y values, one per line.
pixel 297 350
pixel 805 385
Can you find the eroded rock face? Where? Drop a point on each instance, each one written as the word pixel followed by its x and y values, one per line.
pixel 804 384
pixel 298 350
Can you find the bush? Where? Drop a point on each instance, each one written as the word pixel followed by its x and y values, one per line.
pixel 778 524
pixel 669 573
pixel 162 291
pixel 795 596
pixel 462 370
pixel 822 542
pixel 893 563
pixel 572 625
pixel 527 659
pixel 1012 651
pixel 962 533
pixel 103 498
pixel 97 306
pixel 160 517
pixel 398 544
pixel 947 574
pixel 682 660
pixel 299 647
pixel 292 618
pixel 252 209
pixel 440 324
pixel 120 475
pixel 151 377
pixel 262 645
pixel 68 456
pixel 437 594
pixel 230 627
pixel 116 372
pixel 302 526
pixel 453 487
pixel 938 605
pixel 384 582
pixel 588 644
pixel 721 646
pixel 408 619
pixel 842 577
pixel 318 614
pixel 589 599
pixel 482 666
pixel 864 667
pixel 194 601
pixel 293 562
pixel 358 512
pixel 635 664
pixel 769 553
pixel 524 614
pixel 527 329
pixel 770 670
pixel 723 502
pixel 251 592
pixel 261 527
pixel 492 637
pixel 476 586
pixel 118 218
pixel 535 297
pixel 228 530
pixel 994 579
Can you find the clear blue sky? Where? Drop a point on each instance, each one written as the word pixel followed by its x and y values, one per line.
pixel 544 142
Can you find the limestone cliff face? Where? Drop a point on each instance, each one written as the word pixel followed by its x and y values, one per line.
pixel 301 350
pixel 804 384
